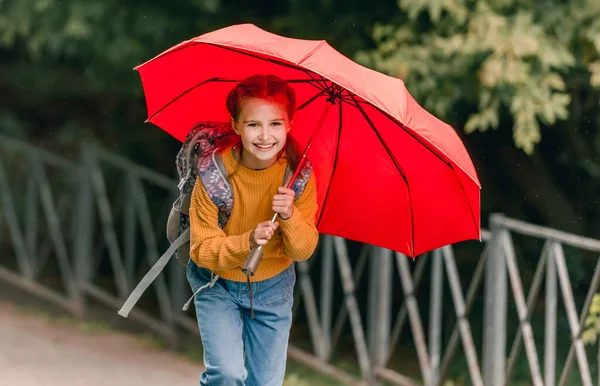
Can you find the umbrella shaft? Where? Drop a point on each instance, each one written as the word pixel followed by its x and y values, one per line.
pixel 255 257
pixel 290 182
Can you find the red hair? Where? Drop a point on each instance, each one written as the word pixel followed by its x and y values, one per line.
pixel 270 88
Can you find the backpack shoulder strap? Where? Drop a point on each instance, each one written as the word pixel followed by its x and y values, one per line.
pixel 152 274
pixel 301 179
pixel 218 159
pixel 215 179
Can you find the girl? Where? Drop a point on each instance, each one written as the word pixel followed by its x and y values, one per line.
pixel 238 349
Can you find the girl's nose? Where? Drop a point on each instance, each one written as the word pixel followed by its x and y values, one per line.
pixel 265 133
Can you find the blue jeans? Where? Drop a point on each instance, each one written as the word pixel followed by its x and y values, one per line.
pixel 239 350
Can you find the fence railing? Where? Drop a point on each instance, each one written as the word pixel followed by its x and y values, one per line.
pixel 89 229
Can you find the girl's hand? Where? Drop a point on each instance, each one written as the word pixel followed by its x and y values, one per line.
pixel 262 233
pixel 283 203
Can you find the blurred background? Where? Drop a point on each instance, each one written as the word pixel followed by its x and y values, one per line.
pixel 519 80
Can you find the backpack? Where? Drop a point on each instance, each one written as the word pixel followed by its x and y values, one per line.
pixel 200 156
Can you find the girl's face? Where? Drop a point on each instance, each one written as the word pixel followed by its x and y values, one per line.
pixel 263 126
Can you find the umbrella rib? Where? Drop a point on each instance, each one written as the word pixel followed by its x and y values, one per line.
pixel 288 65
pixel 325 86
pixel 303 105
pixel 181 95
pixel 335 160
pixel 291 66
pixel 409 132
pixel 398 167
pixel 218 80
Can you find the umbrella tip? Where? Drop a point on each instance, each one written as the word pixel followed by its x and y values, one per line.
pixel 146 121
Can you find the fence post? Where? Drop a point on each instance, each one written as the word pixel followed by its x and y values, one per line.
pixel 379 307
pixel 82 228
pixel 435 315
pixel 551 322
pixel 494 339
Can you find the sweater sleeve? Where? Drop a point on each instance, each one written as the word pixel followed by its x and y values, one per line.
pixel 210 247
pixel 300 235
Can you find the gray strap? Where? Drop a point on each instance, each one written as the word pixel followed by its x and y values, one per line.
pixel 287 175
pixel 218 159
pixel 152 274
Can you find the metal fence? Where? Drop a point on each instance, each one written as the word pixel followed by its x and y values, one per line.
pixel 89 228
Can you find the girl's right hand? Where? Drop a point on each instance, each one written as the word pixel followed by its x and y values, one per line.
pixel 262 233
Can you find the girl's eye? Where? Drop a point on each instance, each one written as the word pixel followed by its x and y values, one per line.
pixel 253 124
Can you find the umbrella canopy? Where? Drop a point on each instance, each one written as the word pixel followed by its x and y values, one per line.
pixel 388 172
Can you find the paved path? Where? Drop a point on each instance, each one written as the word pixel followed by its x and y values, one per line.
pixel 39 352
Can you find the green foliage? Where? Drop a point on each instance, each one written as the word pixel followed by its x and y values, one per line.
pixel 490 55
pixel 592 322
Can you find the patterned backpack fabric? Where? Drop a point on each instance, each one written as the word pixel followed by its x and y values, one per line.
pixel 199 156
pixel 197 152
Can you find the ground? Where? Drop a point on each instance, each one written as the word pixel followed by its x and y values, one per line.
pixel 42 351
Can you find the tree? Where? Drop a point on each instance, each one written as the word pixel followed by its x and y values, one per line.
pixel 490 55
pixel 523 67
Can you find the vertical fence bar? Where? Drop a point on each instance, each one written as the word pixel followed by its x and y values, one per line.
pixel 31 219
pixel 531 301
pixel 83 228
pixel 310 305
pixel 550 327
pixel 372 300
pixel 328 263
pixel 435 315
pixel 494 339
pixel 384 303
pixel 398 325
pixel 340 319
pixel 149 238
pixel 414 316
pixel 55 232
pixel 519 296
pixel 353 310
pixel 570 307
pixel 470 298
pixel 108 227
pixel 461 316
pixel 129 229
pixel 593 288
pixel 23 260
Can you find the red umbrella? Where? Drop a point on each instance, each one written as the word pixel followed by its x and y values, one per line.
pixel 388 172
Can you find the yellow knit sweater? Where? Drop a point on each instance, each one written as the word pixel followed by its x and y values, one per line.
pixel 225 250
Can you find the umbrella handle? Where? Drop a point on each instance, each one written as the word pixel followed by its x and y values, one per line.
pixel 253 261
pixel 254 258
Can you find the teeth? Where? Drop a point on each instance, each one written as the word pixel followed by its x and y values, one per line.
pixel 265 146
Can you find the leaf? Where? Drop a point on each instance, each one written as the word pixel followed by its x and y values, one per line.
pixel 516 71
pixel 589 336
pixel 491 71
pixel 488 118
pixel 594 69
pixel 39 5
pixel 554 81
pixel 590 321
pixel 77 28
pixel 382 31
pixel 595 306
pixel 526 130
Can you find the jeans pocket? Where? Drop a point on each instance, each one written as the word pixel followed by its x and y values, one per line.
pixel 277 290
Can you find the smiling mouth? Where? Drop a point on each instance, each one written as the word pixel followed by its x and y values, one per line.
pixel 264 147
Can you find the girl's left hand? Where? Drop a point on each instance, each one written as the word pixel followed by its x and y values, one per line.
pixel 283 203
